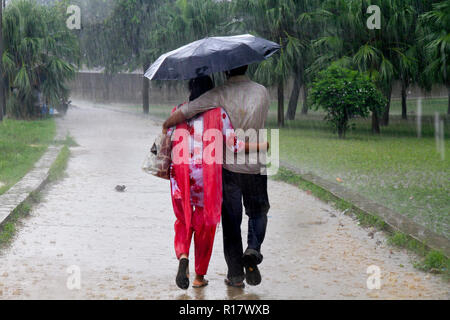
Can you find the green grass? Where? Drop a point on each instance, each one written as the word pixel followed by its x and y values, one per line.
pixel 402 240
pixel 429 107
pixel 397 169
pixel 22 143
pixel 433 261
pixel 56 172
pixel 8 228
pixel 68 141
pixel 58 167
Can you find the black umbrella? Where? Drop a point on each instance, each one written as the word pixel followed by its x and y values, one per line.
pixel 209 55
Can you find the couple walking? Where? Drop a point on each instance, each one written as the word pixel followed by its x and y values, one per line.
pixel 203 193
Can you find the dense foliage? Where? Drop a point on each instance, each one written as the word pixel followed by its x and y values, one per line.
pixel 345 94
pixel 39 52
pixel 411 47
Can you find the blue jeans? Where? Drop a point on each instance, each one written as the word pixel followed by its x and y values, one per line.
pixel 252 188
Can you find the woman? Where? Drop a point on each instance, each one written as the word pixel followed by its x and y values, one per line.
pixel 196 184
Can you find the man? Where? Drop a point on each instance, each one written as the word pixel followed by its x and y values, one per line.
pixel 247 105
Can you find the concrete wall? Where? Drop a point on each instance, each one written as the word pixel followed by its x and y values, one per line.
pixel 127 87
pixel 124 87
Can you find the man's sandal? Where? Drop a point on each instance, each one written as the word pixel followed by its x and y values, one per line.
pixel 230 283
pixel 252 274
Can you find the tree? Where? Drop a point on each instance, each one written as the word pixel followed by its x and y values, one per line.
pixel 273 20
pixel 343 32
pixel 436 38
pixel 127 30
pixel 2 88
pixel 40 55
pixel 182 22
pixel 140 30
pixel 305 29
pixel 383 53
pixel 345 94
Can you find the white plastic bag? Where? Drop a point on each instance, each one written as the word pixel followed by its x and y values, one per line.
pixel 158 159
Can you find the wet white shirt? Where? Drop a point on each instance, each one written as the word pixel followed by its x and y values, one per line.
pixel 246 103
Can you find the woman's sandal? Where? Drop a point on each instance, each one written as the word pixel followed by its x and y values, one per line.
pixel 182 279
pixel 204 284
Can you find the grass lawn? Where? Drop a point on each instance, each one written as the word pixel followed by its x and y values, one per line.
pixel 22 143
pixel 396 169
pixel 429 107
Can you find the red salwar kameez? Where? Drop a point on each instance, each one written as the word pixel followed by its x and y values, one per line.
pixel 196 186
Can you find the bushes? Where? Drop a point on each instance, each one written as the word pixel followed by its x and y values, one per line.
pixel 345 94
pixel 39 56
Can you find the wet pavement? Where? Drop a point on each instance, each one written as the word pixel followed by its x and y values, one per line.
pixel 121 244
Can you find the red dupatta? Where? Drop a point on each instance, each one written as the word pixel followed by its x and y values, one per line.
pixel 212 170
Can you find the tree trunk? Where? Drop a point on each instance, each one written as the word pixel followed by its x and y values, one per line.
pixel 305 99
pixel 375 123
pixel 2 83
pixel 293 101
pixel 385 121
pixel 448 93
pixel 3 98
pixel 280 104
pixel 145 91
pixel 404 107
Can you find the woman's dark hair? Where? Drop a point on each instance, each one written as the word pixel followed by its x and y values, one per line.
pixel 199 86
pixel 240 71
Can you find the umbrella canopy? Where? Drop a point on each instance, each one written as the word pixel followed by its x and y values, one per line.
pixel 209 55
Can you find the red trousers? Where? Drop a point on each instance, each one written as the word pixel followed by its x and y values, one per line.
pixel 203 237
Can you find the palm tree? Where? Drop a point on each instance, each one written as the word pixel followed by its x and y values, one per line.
pixel 436 37
pixel 274 20
pixel 139 31
pixel 347 40
pixel 127 30
pixel 306 29
pixel 386 54
pixel 39 54
pixel 2 88
pixel 178 23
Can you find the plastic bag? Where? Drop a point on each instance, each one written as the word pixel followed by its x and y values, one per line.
pixel 158 160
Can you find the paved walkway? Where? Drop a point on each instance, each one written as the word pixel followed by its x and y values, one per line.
pixel 122 243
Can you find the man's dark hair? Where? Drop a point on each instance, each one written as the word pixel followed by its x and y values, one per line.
pixel 240 71
pixel 199 86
